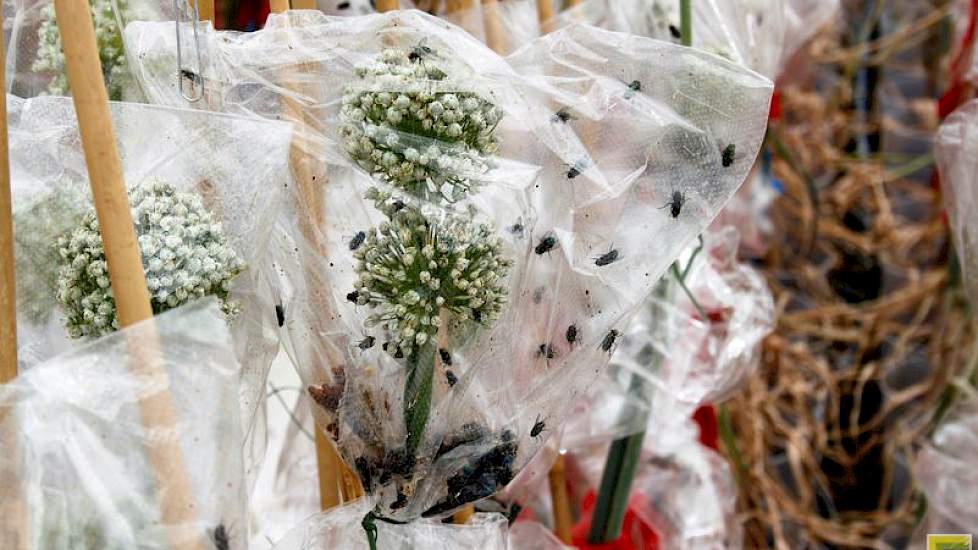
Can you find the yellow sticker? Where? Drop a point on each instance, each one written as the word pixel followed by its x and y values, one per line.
pixel 949 542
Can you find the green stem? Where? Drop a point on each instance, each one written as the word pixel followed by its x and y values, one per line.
pixel 417 394
pixel 686 22
pixel 624 454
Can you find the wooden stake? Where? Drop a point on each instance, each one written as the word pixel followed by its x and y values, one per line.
pixel 560 501
pixel 278 6
pixel 387 5
pixel 545 12
pixel 495 37
pixel 463 515
pixel 303 4
pixel 164 453
pixel 206 10
pixel 8 308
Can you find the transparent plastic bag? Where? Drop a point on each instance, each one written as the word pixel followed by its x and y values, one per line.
pixel 530 535
pixel 237 169
pixel 77 451
pixel 341 528
pixel 957 141
pixel 35 61
pixel 604 167
pixel 944 471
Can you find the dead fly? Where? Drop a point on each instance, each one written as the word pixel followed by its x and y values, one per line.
pixel 728 154
pixel 517 228
pixel 546 245
pixel 538 427
pixel 571 334
pixel 608 257
pixel 675 205
pixel 477 315
pixel 221 540
pixel 367 343
pixel 576 169
pixel 446 358
pixel 450 378
pixel 357 240
pixel 546 350
pixel 633 87
pixel 353 296
pixel 609 340
pixel 563 116
pixel 280 314
pixel 675 32
pixel 420 51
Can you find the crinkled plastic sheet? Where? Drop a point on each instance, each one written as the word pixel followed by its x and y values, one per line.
pixel 237 165
pixel 36 67
pixel 530 535
pixel 75 443
pixel 957 141
pixel 340 528
pixel 945 472
pixel 596 184
pixel 760 34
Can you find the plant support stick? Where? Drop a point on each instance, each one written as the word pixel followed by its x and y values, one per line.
pixel 125 264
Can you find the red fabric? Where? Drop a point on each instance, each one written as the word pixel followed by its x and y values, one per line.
pixel 775 114
pixel 958 90
pixel 706 417
pixel 635 533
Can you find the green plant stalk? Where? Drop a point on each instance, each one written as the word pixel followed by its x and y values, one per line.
pixel 417 394
pixel 624 455
pixel 686 21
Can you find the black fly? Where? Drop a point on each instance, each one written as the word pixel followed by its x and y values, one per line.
pixel 419 52
pixel 675 32
pixel 451 378
pixel 280 314
pixel 608 257
pixel 221 540
pixel 477 315
pixel 538 427
pixel 728 154
pixel 398 206
pixel 571 334
pixel 517 228
pixel 609 340
pixel 357 240
pixel 675 204
pixel 353 296
pixel 446 358
pixel 563 116
pixel 576 169
pixel 546 245
pixel 367 343
pixel 633 86
pixel 546 350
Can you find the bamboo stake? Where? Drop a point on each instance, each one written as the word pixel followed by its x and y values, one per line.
pixel 545 12
pixel 387 5
pixel 206 10
pixel 303 4
pixel 128 280
pixel 13 513
pixel 495 37
pixel 560 500
pixel 8 309
pixel 278 6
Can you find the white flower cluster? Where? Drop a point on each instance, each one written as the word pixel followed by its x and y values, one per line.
pixel 185 256
pixel 413 268
pixel 108 36
pixel 406 126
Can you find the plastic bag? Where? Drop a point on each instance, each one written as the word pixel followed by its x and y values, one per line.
pixel 341 528
pixel 213 158
pixel 35 61
pixel 77 452
pixel 593 143
pixel 957 141
pixel 944 472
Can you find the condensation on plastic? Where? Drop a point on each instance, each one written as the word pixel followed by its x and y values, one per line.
pixel 239 167
pixel 74 440
pixel 957 141
pixel 760 34
pixel 638 150
pixel 340 528
pixel 945 472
